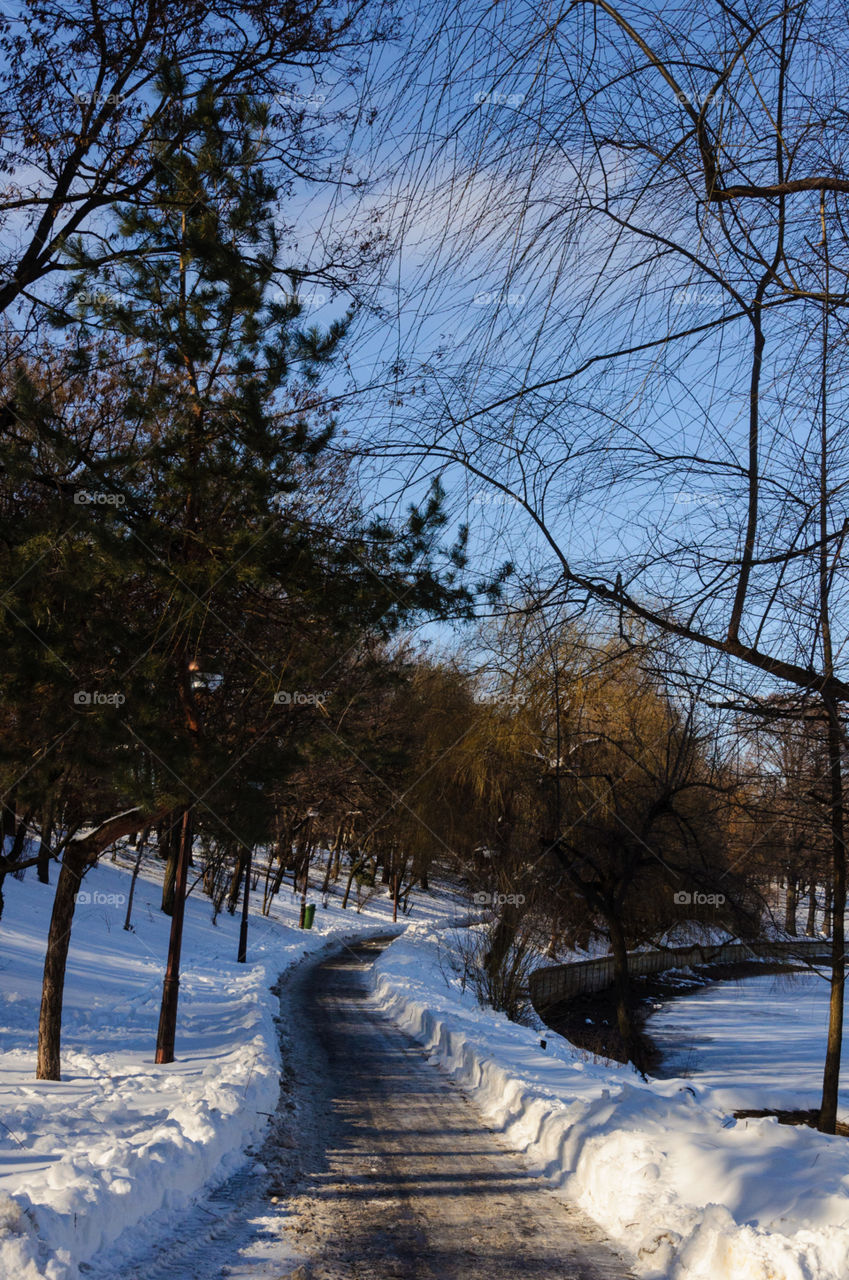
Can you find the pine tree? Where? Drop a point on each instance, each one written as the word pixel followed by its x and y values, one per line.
pixel 213 582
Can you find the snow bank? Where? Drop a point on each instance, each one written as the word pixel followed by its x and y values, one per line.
pixel 687 1191
pixel 119 1138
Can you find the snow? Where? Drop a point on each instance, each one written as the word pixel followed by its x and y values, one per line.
pixel 663 1167
pixel 740 1038
pixel 684 1189
pixel 119 1138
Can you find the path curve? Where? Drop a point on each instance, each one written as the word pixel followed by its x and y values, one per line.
pixel 376 1164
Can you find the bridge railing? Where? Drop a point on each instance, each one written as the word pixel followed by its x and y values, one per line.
pixel 557 982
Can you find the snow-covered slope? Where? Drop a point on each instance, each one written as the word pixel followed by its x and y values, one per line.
pixel 119 1138
pixel 662 1166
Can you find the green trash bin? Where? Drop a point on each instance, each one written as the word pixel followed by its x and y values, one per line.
pixel 309 915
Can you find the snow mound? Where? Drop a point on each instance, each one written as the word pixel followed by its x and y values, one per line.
pixel 687 1191
pixel 120 1141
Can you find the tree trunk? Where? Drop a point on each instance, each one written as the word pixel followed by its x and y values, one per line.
pixel 831 1072
pixel 622 985
pixel 503 936
pixel 79 854
pixel 325 884
pixel 305 854
pixel 826 909
pixel 9 820
pixel 20 836
pixel 163 830
pixel 171 838
pixel 811 923
pixel 357 864
pixel 75 862
pixel 790 906
pixel 333 857
pixel 44 843
pixel 128 918
pixel 243 928
pixel 166 1033
pixel 235 881
pixel 284 853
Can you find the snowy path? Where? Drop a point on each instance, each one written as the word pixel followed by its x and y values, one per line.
pixel 387 1170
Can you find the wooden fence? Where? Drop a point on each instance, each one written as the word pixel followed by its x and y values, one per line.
pixel 557 982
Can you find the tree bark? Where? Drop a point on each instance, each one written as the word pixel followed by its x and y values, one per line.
pixel 166 1033
pixel 826 910
pixel 171 836
pixel 78 856
pixel 74 865
pixel 9 821
pixel 831 1072
pixel 622 985
pixel 503 937
pixel 235 881
pixel 44 843
pixel 20 836
pixel 129 915
pixel 790 906
pixel 811 923
pixel 357 864
pixel 243 928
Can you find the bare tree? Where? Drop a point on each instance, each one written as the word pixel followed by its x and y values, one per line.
pixel 655 379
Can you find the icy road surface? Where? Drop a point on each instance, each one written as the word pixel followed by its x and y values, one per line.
pixel 375 1165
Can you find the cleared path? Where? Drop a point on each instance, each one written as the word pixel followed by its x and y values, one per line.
pixel 406 1181
pixel 376 1164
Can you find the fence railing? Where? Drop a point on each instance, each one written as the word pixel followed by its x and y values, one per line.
pixel 557 982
